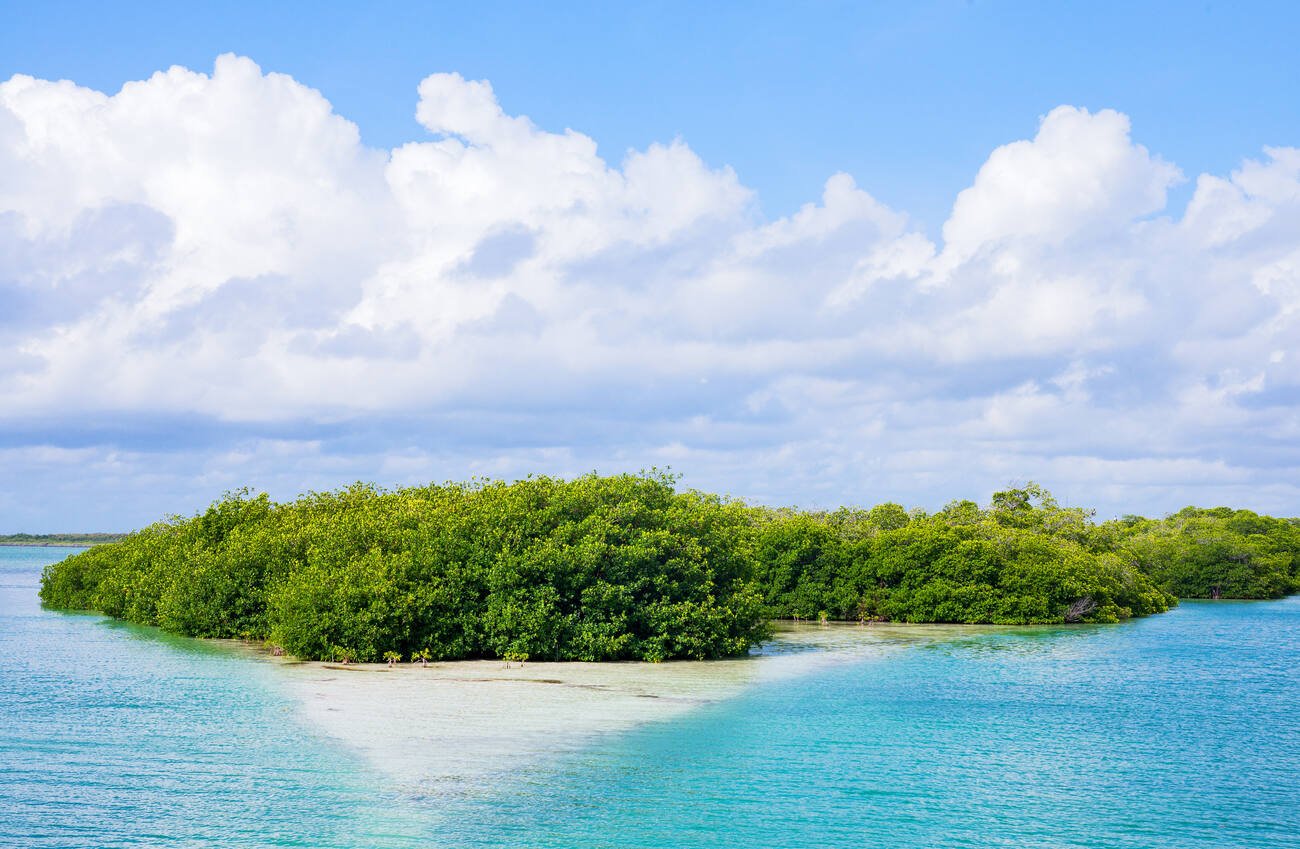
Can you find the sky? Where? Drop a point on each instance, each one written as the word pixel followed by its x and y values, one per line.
pixel 812 254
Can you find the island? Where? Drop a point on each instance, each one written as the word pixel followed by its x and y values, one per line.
pixel 630 567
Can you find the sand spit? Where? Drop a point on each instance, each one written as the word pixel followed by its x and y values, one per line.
pixel 446 728
pixel 452 724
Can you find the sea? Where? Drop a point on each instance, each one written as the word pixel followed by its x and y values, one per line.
pixel 1179 730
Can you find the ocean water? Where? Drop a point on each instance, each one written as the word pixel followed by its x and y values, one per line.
pixel 1181 730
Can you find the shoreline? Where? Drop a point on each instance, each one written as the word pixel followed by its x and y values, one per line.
pixel 457 728
pixel 454 728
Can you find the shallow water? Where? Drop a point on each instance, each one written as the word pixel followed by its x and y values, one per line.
pixel 1181 730
pixel 115 735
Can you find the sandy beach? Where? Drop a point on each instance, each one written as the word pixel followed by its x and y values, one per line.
pixel 445 728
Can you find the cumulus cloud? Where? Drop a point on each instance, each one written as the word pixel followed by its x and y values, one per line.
pixel 221 252
pixel 1080 177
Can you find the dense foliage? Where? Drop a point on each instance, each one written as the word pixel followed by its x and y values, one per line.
pixel 591 569
pixel 1216 553
pixel 1023 560
pixel 626 567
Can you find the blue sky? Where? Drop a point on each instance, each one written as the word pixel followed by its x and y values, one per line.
pixel 907 97
pixel 1062 244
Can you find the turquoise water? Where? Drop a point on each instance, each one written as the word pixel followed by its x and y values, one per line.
pixel 1176 731
pixel 115 735
pixel 1182 730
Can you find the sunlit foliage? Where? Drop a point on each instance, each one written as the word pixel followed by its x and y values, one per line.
pixel 598 568
pixel 627 567
pixel 1023 560
pixel 1215 553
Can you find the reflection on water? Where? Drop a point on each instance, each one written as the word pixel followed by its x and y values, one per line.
pixel 857 639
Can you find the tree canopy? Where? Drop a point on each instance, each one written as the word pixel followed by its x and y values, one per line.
pixel 598 568
pixel 628 567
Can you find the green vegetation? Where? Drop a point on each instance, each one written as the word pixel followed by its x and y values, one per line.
pixel 1216 553
pixel 627 567
pixel 591 569
pixel 1023 560
pixel 58 539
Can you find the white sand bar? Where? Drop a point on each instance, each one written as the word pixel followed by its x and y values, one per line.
pixel 445 728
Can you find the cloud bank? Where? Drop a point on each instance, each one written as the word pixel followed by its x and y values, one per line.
pixel 207 280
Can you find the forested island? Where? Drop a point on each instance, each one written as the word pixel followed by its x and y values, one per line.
pixel 629 567
pixel 58 539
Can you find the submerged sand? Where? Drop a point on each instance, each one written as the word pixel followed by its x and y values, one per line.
pixel 445 728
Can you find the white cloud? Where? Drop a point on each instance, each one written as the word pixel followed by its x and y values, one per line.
pixel 1081 176
pixel 220 253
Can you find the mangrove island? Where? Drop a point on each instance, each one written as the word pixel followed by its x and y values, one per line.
pixel 629 567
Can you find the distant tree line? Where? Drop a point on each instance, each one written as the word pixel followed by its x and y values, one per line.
pixel 628 567
pixel 58 539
